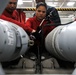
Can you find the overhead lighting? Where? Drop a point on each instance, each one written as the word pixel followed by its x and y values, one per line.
pixel 20 2
pixel 27 1
pixel 55 3
pixel 51 4
pixel 70 16
pixel 70 3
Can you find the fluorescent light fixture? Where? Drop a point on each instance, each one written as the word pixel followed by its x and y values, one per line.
pixel 71 16
pixel 27 1
pixel 51 4
pixel 20 2
pixel 55 3
pixel 70 3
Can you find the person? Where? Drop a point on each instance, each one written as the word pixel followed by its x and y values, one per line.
pixel 54 15
pixel 19 15
pixel 35 24
pixel 11 12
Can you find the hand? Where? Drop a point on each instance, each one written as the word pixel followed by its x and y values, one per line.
pixel 37 35
pixel 33 31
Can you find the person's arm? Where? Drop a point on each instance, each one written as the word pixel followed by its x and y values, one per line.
pixel 19 15
pixel 56 17
pixel 54 14
pixel 28 25
pixel 13 21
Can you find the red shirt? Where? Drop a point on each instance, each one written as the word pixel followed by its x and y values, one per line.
pixel 9 17
pixel 33 23
pixel 17 15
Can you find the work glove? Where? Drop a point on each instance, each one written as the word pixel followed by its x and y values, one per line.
pixel 37 36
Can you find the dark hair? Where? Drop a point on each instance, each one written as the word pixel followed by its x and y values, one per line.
pixel 41 4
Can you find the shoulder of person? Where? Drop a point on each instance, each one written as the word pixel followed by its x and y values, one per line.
pixel 31 19
pixel 51 8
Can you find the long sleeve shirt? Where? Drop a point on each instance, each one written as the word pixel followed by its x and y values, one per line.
pixel 20 16
pixel 9 17
pixel 33 23
pixel 16 15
